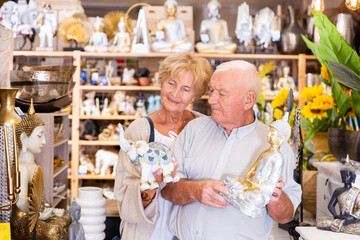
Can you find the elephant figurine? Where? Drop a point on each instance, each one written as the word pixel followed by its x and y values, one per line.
pixel 148 158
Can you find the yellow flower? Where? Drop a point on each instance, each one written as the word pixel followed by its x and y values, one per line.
pixel 324 73
pixel 278 114
pixel 311 92
pixel 323 102
pixel 280 98
pixel 311 112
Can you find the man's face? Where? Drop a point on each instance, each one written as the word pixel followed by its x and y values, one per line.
pixel 227 98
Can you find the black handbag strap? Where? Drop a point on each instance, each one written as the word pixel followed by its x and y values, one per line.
pixel 152 133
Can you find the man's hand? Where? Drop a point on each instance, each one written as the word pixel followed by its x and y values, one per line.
pixel 278 190
pixel 208 193
pixel 159 173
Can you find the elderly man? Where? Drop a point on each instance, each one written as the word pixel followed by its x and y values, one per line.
pixel 228 143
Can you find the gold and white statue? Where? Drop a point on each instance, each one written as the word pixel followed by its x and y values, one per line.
pixel 170 32
pixel 214 33
pixel 98 40
pixel 251 194
pixel 121 41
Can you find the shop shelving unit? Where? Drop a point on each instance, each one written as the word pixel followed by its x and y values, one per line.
pixel 296 62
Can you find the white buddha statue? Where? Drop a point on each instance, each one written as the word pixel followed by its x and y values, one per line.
pixel 214 32
pixel 170 34
pixel 98 40
pixel 122 39
pixel 286 81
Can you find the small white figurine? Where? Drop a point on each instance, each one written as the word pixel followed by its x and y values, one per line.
pixel 140 107
pixel 263 26
pixel 122 39
pixel 96 111
pixel 129 105
pixel 98 40
pixel 268 114
pixel 149 158
pixel 47 23
pixel 88 105
pixel 244 24
pixel 85 161
pixel 103 160
pixel 106 111
pixel 128 77
pixel 171 34
pixel 151 104
pixel 117 104
pixel 109 70
pixel 286 81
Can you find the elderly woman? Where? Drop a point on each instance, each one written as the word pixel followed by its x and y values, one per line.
pixel 184 79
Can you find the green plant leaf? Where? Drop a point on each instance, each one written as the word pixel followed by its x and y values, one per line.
pixel 313 47
pixel 356 102
pixel 345 76
pixel 332 45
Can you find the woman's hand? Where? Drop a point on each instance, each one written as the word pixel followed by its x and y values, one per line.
pixel 159 173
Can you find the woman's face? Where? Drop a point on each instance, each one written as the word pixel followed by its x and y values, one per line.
pixel 177 93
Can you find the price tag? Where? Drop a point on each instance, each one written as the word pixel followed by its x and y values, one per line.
pixel 5 231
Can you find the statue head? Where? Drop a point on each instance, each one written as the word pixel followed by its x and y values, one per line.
pixel 170 7
pixel 97 24
pixel 30 132
pixel 280 131
pixel 347 173
pixel 122 25
pixel 214 8
pixel 75 211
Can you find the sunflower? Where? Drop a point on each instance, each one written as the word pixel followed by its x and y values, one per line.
pixel 311 92
pixel 278 114
pixel 324 73
pixel 323 102
pixel 280 98
pixel 311 112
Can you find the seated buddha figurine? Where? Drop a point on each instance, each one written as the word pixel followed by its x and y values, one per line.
pixel 214 33
pixel 30 212
pixel 348 199
pixel 98 40
pixel 251 194
pixel 171 35
pixel 286 81
pixel 122 39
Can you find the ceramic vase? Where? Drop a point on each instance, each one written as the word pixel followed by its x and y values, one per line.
pixel 92 212
pixel 8 117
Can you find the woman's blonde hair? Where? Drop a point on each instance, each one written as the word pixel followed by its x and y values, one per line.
pixel 179 63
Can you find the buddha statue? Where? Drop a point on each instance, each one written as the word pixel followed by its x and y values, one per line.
pixel 251 194
pixel 98 40
pixel 170 32
pixel 76 230
pixel 348 199
pixel 214 33
pixel 30 211
pixel 121 41
pixel 285 81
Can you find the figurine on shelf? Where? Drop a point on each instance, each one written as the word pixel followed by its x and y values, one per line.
pixel 98 40
pixel 214 32
pixel 109 133
pixel 251 194
pixel 149 157
pixel 140 42
pixel 121 41
pixel 151 104
pixel 263 25
pixel 85 161
pixel 96 111
pixel 129 105
pixel 155 79
pixel 266 84
pixel 244 25
pixel 348 199
pixel 117 103
pixel 285 81
pixel 140 106
pixel 104 160
pixel 170 34
pixel 30 213
pixel 47 23
pixel 106 111
pixel 88 105
pixel 88 130
pixel 76 230
pixel 109 70
pixel 144 77
pixel 157 104
pixel 268 114
pixel 128 77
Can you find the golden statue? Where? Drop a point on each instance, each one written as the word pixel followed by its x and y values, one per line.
pixel 251 194
pixel 348 198
pixel 214 33
pixel 30 213
pixel 171 34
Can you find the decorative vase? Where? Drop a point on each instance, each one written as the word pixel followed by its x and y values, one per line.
pixel 291 41
pixel 320 142
pixel 8 118
pixel 92 212
pixel 144 81
pixel 343 142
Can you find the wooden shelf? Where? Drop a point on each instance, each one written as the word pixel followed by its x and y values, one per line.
pixel 123 55
pixel 97 177
pixel 59 170
pixel 117 88
pixel 119 117
pixel 57 200
pixel 43 53
pixel 98 143
pixel 60 142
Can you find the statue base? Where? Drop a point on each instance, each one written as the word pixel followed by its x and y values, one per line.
pixel 45 49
